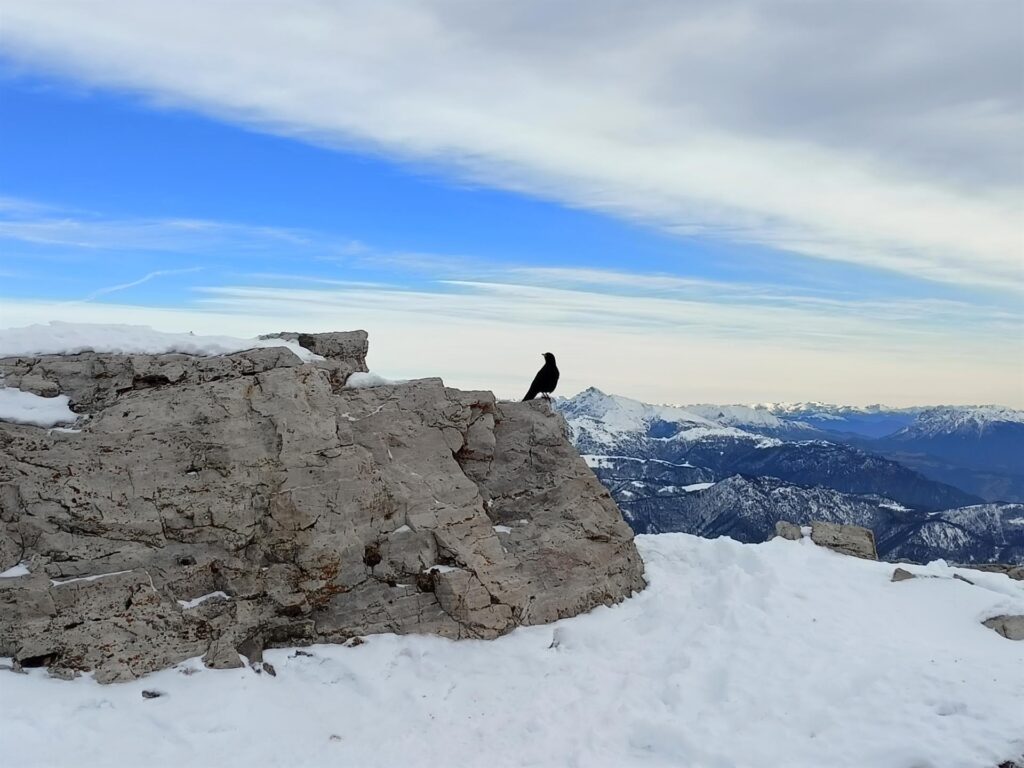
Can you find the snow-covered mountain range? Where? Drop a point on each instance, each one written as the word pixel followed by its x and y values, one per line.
pixel 866 421
pixel 735 470
pixel 951 420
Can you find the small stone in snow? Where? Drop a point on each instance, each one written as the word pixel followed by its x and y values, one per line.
pixel 1010 627
pixel 787 530
pixel 149 694
pixel 901 574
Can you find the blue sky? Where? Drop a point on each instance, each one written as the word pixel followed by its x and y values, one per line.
pixel 665 246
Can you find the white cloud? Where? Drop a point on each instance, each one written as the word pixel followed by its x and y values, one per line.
pixel 888 135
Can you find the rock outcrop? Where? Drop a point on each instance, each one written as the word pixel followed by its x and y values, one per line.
pixel 1010 627
pixel 854 540
pixel 218 505
pixel 787 530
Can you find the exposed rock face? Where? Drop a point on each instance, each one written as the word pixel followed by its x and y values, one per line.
pixel 214 506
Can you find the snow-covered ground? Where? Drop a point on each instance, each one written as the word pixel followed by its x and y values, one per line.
pixel 70 338
pixel 778 655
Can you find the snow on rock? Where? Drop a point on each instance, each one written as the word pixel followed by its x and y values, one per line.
pixel 15 571
pixel 778 654
pixel 58 583
pixel 361 380
pixel 26 408
pixel 57 338
pixel 441 568
pixel 189 604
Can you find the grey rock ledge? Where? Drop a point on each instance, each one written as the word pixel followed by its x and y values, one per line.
pixel 321 513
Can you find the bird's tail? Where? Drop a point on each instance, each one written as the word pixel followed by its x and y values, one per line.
pixel 530 395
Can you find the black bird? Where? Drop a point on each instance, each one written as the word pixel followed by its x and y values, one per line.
pixel 546 380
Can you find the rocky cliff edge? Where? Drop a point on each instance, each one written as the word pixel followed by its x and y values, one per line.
pixel 218 505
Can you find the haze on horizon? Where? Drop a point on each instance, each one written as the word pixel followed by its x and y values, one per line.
pixel 686 202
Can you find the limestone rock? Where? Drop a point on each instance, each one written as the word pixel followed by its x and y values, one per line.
pixel 901 574
pixel 1010 627
pixel 211 506
pixel 788 530
pixel 221 655
pixel 344 345
pixel 847 539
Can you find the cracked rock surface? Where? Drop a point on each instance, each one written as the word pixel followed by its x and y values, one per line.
pixel 218 505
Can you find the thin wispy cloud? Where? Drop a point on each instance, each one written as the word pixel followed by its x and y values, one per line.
pixel 881 134
pixel 97 233
pixel 134 283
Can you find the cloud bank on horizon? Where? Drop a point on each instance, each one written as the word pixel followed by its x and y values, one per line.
pixel 869 137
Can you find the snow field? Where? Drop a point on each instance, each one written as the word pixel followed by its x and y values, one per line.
pixel 777 654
